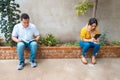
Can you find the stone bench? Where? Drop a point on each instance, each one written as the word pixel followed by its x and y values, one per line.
pixel 60 52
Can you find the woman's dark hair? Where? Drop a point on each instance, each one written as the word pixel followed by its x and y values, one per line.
pixel 92 21
pixel 24 16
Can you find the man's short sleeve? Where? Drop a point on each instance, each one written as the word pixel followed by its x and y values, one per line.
pixel 36 32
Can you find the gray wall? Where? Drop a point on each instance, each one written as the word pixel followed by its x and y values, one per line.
pixel 109 18
pixel 58 17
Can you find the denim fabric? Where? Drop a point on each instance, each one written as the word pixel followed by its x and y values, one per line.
pixel 86 45
pixel 21 46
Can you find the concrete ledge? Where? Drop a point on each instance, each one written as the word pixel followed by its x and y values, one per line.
pixel 61 52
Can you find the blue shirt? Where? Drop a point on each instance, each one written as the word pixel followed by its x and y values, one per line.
pixel 25 34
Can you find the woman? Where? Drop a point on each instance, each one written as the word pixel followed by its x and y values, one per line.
pixel 87 40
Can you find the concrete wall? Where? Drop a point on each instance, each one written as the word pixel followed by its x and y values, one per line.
pixel 109 18
pixel 58 17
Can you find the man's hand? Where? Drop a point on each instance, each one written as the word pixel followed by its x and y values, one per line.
pixel 15 39
pixel 37 38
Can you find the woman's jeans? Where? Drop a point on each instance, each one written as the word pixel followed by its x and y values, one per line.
pixel 86 45
pixel 21 46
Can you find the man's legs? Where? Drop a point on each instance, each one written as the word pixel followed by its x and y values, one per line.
pixel 20 51
pixel 33 50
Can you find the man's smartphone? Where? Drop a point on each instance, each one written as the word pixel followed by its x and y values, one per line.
pixel 97 36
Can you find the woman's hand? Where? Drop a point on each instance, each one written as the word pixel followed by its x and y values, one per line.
pixel 90 40
pixel 97 40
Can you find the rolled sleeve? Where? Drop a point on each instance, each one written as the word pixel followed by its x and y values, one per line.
pixel 36 32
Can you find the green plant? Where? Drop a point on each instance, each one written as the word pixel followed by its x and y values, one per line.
pixel 76 44
pixel 117 43
pixel 103 39
pixel 82 7
pixel 49 40
pixel 67 44
pixel 71 44
pixel 9 17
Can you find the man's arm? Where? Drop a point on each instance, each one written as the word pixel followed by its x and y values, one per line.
pixel 15 39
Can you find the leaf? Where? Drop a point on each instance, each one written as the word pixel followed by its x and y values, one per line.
pixel 9 17
pixel 82 7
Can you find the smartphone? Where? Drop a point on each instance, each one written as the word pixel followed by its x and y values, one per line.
pixel 97 36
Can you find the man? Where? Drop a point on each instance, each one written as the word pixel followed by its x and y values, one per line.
pixel 25 35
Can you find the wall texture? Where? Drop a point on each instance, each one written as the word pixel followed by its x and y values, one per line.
pixel 58 17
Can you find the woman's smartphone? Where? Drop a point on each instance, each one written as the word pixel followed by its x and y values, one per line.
pixel 97 36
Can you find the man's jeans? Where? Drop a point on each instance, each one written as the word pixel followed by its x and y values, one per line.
pixel 21 46
pixel 86 45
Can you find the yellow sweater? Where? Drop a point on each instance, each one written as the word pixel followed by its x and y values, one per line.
pixel 85 34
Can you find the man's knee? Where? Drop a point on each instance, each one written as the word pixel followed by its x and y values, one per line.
pixel 34 43
pixel 20 44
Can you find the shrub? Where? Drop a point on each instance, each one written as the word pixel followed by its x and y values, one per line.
pixel 49 40
pixel 71 44
pixel 103 40
pixel 82 7
pixel 116 43
pixel 9 13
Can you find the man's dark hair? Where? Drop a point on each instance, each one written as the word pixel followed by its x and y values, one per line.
pixel 92 21
pixel 24 16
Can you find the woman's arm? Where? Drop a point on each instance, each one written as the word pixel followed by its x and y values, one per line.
pixel 88 40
